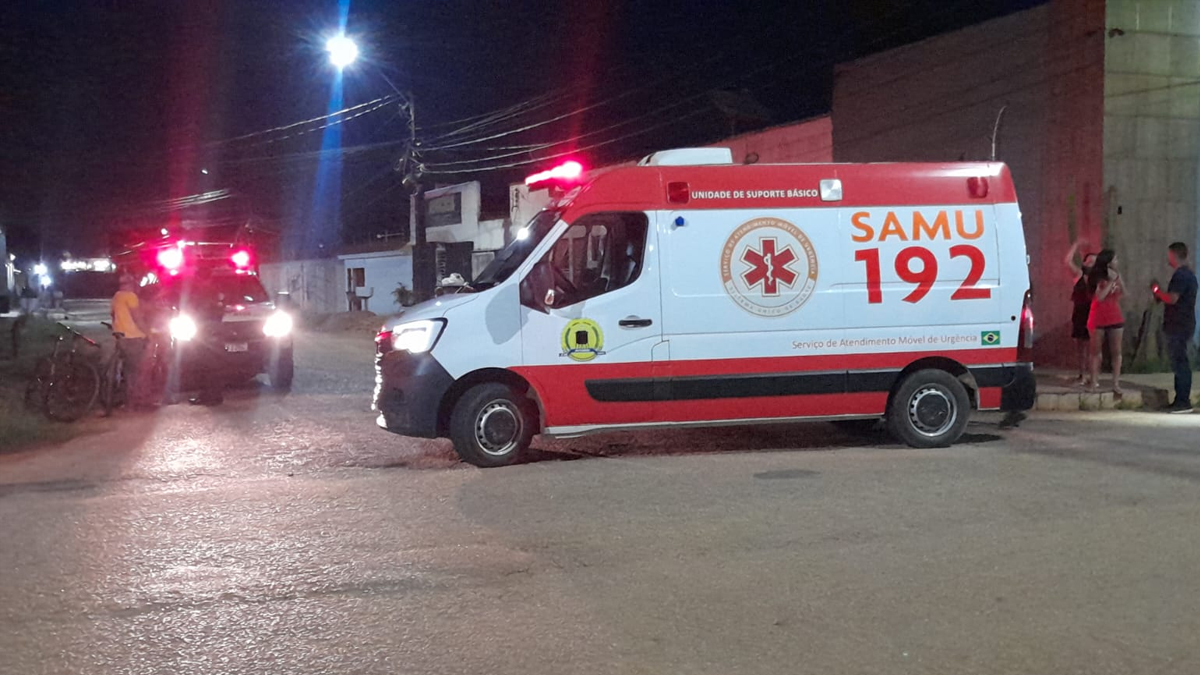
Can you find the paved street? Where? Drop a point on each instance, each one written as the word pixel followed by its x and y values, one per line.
pixel 286 534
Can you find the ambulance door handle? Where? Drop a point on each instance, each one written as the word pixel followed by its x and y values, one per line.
pixel 634 322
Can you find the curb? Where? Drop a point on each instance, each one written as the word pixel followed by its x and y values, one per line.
pixel 1141 398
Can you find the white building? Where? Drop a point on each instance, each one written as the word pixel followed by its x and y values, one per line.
pixel 312 285
pixel 453 217
pixel 372 277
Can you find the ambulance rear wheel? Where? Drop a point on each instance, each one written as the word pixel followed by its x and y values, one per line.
pixel 491 425
pixel 929 410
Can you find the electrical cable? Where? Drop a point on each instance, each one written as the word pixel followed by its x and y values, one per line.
pixel 434 167
pixel 627 93
pixel 511 165
pixel 285 127
pixel 688 99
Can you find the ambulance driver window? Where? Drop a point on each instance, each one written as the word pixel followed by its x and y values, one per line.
pixel 598 254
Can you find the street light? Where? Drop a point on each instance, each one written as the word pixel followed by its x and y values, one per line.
pixel 342 51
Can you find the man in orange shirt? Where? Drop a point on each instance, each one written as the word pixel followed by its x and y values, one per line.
pixel 129 320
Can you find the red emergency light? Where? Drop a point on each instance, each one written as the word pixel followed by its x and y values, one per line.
pixel 241 259
pixel 566 172
pixel 171 259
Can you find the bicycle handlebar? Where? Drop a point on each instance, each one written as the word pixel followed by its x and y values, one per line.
pixel 76 335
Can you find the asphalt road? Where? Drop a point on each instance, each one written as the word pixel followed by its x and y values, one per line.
pixel 286 534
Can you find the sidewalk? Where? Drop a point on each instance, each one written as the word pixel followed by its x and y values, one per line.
pixel 1149 391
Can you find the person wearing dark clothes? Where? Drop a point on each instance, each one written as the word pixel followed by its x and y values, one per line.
pixel 1179 323
pixel 1081 299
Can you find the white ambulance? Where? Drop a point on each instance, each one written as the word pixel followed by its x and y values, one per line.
pixel 689 291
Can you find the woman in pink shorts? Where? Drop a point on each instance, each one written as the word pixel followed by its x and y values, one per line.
pixel 1106 322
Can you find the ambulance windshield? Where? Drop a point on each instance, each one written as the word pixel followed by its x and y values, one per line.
pixel 507 261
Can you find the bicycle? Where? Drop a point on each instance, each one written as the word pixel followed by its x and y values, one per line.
pixel 64 386
pixel 114 385
pixel 114 388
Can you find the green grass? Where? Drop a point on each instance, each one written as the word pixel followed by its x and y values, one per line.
pixel 19 426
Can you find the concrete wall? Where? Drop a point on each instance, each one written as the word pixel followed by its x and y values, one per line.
pixel 384 271
pixel 313 285
pixel 810 141
pixel 486 235
pixel 939 99
pixel 1151 135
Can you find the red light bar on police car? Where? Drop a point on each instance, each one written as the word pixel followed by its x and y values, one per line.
pixel 567 171
pixel 241 259
pixel 171 258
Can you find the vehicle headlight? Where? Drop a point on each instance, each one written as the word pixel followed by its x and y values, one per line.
pixel 418 336
pixel 183 328
pixel 278 325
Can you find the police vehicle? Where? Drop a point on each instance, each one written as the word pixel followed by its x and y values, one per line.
pixel 223 325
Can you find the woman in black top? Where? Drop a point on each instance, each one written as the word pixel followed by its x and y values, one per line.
pixel 1081 299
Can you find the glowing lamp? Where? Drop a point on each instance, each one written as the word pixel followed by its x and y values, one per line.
pixel 566 172
pixel 171 259
pixel 342 51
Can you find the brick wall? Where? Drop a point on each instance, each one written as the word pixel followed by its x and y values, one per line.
pixel 810 141
pixel 939 99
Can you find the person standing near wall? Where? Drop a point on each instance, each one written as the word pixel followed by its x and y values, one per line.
pixel 1106 321
pixel 1179 323
pixel 1081 299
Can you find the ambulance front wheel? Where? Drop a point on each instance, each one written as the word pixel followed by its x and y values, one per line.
pixel 492 425
pixel 929 410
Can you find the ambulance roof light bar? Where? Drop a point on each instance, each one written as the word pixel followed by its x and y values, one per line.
pixel 689 157
pixel 567 172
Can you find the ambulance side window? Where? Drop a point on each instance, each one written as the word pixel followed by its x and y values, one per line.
pixel 598 254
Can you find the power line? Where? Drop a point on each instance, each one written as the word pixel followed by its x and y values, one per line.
pixel 511 165
pixel 754 72
pixel 655 83
pixel 325 126
pixel 318 154
pixel 293 125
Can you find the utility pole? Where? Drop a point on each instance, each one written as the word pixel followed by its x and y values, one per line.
pixel 423 257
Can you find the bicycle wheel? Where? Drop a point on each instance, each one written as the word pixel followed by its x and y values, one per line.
pixel 110 385
pixel 73 391
pixel 39 384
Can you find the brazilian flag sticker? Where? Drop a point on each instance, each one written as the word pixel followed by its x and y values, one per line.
pixel 990 338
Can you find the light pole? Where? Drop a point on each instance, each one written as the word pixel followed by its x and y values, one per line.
pixel 424 262
pixel 343 52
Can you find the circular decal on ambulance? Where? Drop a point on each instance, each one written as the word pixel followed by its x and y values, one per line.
pixel 582 340
pixel 769 267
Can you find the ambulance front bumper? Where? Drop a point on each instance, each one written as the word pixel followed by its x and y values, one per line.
pixel 409 389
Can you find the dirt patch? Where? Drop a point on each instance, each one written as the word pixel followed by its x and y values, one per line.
pixel 350 322
pixel 20 426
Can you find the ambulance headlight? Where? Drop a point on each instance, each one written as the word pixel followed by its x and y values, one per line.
pixel 278 325
pixel 418 336
pixel 183 328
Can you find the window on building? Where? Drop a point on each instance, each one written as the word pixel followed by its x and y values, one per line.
pixel 356 277
pixel 598 254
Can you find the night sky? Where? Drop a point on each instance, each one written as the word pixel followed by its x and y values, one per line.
pixel 110 108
